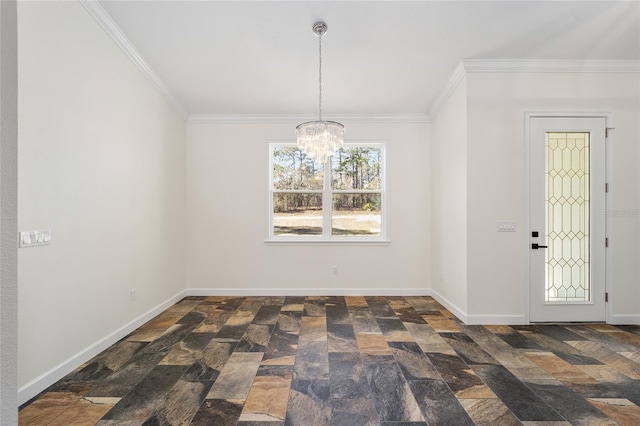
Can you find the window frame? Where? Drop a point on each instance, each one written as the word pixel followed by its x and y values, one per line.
pixel 327 193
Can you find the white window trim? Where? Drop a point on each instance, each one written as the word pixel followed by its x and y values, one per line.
pixel 327 238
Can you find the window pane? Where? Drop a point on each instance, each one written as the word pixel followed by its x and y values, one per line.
pixel 293 169
pixel 357 168
pixel 356 214
pixel 297 214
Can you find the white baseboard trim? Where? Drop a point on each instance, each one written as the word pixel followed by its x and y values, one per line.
pixel 459 313
pixel 632 319
pixel 42 382
pixel 399 291
pixel 496 320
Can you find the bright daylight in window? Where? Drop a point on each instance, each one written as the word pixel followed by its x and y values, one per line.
pixel 341 200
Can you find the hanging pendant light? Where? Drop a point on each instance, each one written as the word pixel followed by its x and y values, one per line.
pixel 320 139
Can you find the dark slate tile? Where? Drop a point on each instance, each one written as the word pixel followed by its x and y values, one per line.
pixel 413 363
pixel 289 321
pixel 255 339
pixel 352 412
pixel 312 362
pixel 635 329
pixel 363 320
pixel 147 395
pixel 341 338
pixel 216 354
pixel 518 341
pixel 142 363
pixel 391 393
pixel 559 333
pixel 99 368
pixel 467 349
pixel 192 318
pixel 309 403
pixel 231 304
pixel 454 371
pixel 181 403
pixel 438 404
pixel 337 314
pixel 335 300
pixel 380 308
pixel 525 404
pixel 260 423
pixel 219 412
pixel 267 314
pixel 568 404
pixel 410 315
pixel 576 359
pixel 314 307
pixel 347 376
pixel 604 339
pixel 232 332
pixel 292 303
pixel 201 372
pixel 284 371
pixel 197 341
pixel 403 424
pixel 391 326
pixel 558 347
pixel 282 347
pixel 630 389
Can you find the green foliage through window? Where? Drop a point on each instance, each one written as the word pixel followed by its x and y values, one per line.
pixel 347 192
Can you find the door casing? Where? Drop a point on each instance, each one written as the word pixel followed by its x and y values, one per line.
pixel 527 200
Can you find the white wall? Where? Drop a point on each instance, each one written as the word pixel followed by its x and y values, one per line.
pixel 8 214
pixel 227 217
pixel 496 104
pixel 101 164
pixel 449 202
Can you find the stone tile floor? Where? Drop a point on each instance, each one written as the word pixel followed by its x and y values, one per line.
pixel 352 361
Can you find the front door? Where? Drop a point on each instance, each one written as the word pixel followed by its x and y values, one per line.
pixel 567 219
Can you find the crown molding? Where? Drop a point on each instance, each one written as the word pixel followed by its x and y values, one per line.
pixel 301 118
pixel 472 66
pixel 113 30
pixel 446 91
pixel 551 65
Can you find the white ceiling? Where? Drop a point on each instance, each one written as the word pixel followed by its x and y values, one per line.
pixel 379 57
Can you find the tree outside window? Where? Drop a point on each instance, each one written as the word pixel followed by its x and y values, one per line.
pixel 342 199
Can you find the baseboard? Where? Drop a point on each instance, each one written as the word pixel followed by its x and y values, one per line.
pixel 496 320
pixel 459 313
pixel 37 385
pixel 632 319
pixel 393 291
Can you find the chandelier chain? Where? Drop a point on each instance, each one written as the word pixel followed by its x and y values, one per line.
pixel 320 76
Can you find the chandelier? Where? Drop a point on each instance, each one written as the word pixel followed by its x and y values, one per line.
pixel 320 139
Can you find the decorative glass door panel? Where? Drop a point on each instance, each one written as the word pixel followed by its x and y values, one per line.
pixel 568 217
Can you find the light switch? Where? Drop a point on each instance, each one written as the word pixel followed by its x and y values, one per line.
pixel 506 226
pixel 34 238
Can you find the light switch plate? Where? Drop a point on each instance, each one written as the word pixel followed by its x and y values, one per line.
pixel 34 238
pixel 506 226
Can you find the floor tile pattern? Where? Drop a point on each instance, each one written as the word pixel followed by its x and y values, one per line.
pixel 348 361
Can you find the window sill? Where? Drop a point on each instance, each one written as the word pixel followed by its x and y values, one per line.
pixel 327 243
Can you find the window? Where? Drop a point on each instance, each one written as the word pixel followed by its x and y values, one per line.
pixel 342 200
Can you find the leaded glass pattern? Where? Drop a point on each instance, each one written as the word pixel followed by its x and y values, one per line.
pixel 567 271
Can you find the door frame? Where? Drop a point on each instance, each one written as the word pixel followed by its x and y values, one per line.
pixel 527 201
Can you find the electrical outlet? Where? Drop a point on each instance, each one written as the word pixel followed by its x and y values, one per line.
pixel 133 295
pixel 335 270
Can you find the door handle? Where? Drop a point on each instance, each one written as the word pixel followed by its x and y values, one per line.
pixel 536 246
